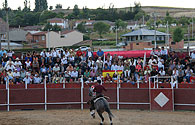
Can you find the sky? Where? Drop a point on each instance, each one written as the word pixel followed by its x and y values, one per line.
pixel 14 4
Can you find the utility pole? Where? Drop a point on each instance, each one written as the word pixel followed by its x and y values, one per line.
pixel 154 30
pixel 116 36
pixel 188 38
pixel 48 41
pixel 192 27
pixel 7 20
pixel 168 33
pixel 0 41
pixel 143 21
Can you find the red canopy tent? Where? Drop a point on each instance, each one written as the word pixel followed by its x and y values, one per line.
pixel 125 54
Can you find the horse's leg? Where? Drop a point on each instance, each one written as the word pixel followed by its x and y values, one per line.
pixel 101 116
pixel 92 112
pixel 110 119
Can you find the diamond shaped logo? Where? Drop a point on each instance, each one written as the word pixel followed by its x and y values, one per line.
pixel 161 99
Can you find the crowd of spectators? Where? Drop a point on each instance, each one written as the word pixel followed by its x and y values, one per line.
pixel 68 66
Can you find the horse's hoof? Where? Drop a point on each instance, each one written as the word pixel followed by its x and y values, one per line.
pixel 101 123
pixel 111 123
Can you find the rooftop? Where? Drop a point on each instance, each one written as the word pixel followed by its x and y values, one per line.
pixel 145 32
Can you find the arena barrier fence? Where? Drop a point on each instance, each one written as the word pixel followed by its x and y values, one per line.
pixel 120 98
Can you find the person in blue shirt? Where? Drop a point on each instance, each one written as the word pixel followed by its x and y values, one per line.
pixel 100 53
pixel 3 51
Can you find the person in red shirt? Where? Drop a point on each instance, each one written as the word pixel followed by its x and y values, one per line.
pixel 98 89
pixel 79 53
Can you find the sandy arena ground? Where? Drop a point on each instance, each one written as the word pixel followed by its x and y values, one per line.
pixel 78 117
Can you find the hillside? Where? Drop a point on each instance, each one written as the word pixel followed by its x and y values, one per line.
pixel 161 11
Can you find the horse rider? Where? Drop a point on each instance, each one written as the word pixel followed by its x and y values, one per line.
pixel 98 89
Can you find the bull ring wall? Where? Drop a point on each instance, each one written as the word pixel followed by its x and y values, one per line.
pixel 74 96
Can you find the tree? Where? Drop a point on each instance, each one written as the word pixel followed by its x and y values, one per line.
pixel 40 5
pixel 101 27
pixel 168 18
pixel 119 24
pixel 184 21
pixel 81 27
pixel 178 34
pixel 58 6
pixel 50 7
pixel 26 7
pixel 76 11
pixel 49 27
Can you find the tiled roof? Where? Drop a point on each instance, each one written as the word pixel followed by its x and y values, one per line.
pixel 145 32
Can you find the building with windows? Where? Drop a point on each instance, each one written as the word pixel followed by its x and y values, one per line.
pixel 143 38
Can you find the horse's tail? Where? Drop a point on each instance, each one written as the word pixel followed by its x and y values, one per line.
pixel 107 109
pixel 109 112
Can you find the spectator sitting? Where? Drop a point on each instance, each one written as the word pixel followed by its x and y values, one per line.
pixel 114 66
pixel 106 67
pixel 16 76
pixel 67 76
pixel 74 75
pixel 93 74
pixel 108 78
pixel 115 77
pixel 56 69
pixel 69 68
pixel 27 80
pixel 36 79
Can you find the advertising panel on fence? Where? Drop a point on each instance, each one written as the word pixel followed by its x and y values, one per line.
pixel 161 99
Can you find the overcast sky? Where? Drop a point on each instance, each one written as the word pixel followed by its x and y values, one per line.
pixel 14 4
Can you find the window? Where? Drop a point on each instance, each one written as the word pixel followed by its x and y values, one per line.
pixel 63 36
pixel 137 43
pixel 43 37
pixel 160 38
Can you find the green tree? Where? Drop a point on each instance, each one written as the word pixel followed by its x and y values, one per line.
pixel 40 5
pixel 178 34
pixel 168 18
pixel 184 21
pixel 50 7
pixel 58 6
pixel 76 11
pixel 49 27
pixel 81 27
pixel 101 27
pixel 120 24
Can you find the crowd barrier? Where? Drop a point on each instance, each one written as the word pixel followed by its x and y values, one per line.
pixel 56 96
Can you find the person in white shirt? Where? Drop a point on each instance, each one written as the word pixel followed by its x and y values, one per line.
pixel 49 54
pixel 99 63
pixel 114 66
pixel 175 73
pixel 10 54
pixel 28 64
pixel 160 65
pixel 66 53
pixel 90 62
pixel 17 62
pixel 54 53
pixel 193 55
pixel 74 75
pixel 10 66
pixel 120 67
pixel 56 69
pixel 27 80
pixel 36 79
pixel 64 60
pixel 164 52
pixel 16 76
pixel 162 72
pixel 152 61
pixel 9 61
